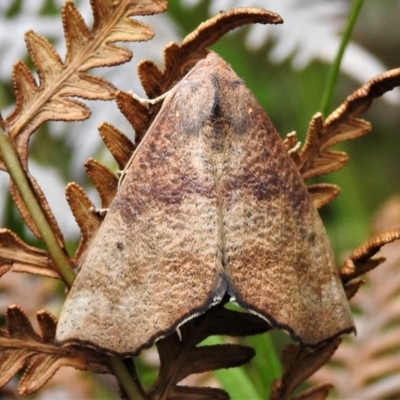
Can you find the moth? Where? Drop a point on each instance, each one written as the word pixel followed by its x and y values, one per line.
pixel 211 205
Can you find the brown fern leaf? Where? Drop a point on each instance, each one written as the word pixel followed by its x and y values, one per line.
pixel 197 393
pixel 21 347
pixel 83 210
pixel 299 364
pixel 322 193
pixel 105 182
pixel 368 367
pixel 365 257
pixel 317 392
pixel 178 58
pixel 119 145
pixel 314 159
pixel 17 256
pixel 86 49
pixel 138 115
pixel 2 123
pixel 180 356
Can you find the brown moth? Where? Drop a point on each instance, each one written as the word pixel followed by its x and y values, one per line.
pixel 211 205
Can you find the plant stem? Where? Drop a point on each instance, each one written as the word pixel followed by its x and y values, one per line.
pixel 334 70
pixel 131 389
pixel 15 169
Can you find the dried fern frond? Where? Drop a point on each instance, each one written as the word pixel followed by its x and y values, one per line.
pixel 343 124
pixel 179 58
pixel 368 367
pixel 299 364
pixel 86 49
pixel 21 347
pixel 59 81
pixel 17 256
pixel 180 356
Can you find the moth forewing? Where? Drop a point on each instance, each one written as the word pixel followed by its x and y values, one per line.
pixel 211 204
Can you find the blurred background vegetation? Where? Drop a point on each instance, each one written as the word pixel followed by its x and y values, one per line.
pixel 289 91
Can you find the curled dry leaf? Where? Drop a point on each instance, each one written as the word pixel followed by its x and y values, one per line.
pixel 17 256
pixel 137 114
pixel 180 356
pixel 87 220
pixel 318 392
pixel 368 367
pixel 365 257
pixel 299 364
pixel 322 193
pixel 179 58
pixel 105 182
pixel 119 145
pixel 86 49
pixel 197 393
pixel 21 347
pixel 314 158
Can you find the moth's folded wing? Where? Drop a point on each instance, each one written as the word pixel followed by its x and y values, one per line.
pixel 155 261
pixel 278 257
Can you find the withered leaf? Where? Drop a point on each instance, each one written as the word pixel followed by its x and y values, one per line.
pixel 87 220
pixel 209 358
pixel 318 392
pixel 138 115
pixel 21 347
pixel 17 256
pixel 197 393
pixel 180 357
pixel 300 363
pixel 119 145
pixel 322 193
pixel 368 367
pixel 51 98
pixel 314 159
pixel 178 58
pixel 351 287
pixel 365 257
pixel 103 179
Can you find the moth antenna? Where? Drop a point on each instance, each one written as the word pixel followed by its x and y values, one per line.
pixel 99 211
pixel 147 102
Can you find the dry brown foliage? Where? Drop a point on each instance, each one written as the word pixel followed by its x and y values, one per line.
pixel 54 98
pixel 368 368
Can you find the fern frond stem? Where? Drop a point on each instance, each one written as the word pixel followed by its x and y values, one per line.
pixel 14 166
pixel 335 67
pixel 130 386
